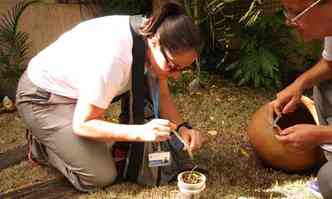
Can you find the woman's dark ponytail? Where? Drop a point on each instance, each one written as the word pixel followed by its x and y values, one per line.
pixel 176 31
pixel 165 9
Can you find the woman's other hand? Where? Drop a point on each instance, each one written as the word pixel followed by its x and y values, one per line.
pixel 156 130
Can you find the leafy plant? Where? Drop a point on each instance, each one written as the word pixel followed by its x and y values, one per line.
pixel 215 26
pixel 267 44
pixel 179 86
pixel 268 35
pixel 257 66
pixel 14 44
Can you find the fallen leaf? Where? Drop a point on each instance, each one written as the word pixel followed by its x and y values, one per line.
pixel 244 153
pixel 213 132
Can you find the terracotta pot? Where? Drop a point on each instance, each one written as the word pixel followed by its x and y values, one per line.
pixel 283 156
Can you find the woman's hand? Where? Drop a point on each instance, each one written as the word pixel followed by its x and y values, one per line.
pixel 156 130
pixel 301 136
pixel 192 137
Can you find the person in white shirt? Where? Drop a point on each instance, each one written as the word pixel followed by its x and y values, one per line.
pixel 67 87
pixel 313 20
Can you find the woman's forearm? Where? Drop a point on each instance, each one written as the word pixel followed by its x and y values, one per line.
pixel 167 106
pixel 107 132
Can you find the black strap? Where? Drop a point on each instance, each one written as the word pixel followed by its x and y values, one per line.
pixel 138 51
pixel 137 70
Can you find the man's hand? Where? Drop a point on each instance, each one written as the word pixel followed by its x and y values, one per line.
pixel 192 137
pixel 301 136
pixel 288 99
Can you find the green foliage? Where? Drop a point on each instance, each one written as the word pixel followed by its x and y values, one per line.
pixel 215 24
pixel 130 7
pixel 180 86
pixel 14 44
pixel 266 45
pixel 271 49
pixel 257 66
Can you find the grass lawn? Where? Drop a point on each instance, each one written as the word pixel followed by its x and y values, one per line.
pixel 222 112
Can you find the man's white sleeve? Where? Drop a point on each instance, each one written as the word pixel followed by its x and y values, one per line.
pixel 327 52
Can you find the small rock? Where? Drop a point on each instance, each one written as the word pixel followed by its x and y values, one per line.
pixel 8 104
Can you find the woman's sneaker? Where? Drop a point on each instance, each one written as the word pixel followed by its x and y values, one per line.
pixel 119 153
pixel 313 187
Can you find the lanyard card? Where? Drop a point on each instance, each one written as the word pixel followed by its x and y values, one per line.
pixel 159 159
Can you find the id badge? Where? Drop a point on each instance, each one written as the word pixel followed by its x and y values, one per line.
pixel 159 159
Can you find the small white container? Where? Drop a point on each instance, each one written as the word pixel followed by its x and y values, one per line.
pixel 190 191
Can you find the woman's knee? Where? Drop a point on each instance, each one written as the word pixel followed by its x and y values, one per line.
pixel 99 176
pixel 86 174
pixel 103 178
pixel 93 181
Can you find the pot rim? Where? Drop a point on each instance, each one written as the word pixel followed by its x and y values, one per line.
pixel 309 105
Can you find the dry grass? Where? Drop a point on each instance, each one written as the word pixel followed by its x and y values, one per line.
pixel 222 112
pixel 24 174
pixel 11 131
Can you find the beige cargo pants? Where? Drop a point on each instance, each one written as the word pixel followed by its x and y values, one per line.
pixel 87 164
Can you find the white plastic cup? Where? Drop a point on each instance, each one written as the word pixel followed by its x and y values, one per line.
pixel 191 191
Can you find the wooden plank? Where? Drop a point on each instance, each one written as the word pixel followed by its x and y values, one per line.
pixel 52 189
pixel 13 156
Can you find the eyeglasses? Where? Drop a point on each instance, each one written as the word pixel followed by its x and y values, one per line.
pixel 172 66
pixel 293 18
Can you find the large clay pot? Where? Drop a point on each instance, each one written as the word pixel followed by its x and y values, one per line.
pixel 283 156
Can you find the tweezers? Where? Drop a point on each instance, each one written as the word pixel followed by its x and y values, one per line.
pixel 275 121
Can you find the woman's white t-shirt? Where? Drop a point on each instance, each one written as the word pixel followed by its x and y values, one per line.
pixel 327 53
pixel 91 61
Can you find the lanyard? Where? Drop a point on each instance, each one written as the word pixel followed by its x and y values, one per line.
pixel 154 90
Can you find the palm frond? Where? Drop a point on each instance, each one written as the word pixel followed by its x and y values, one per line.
pixel 14 44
